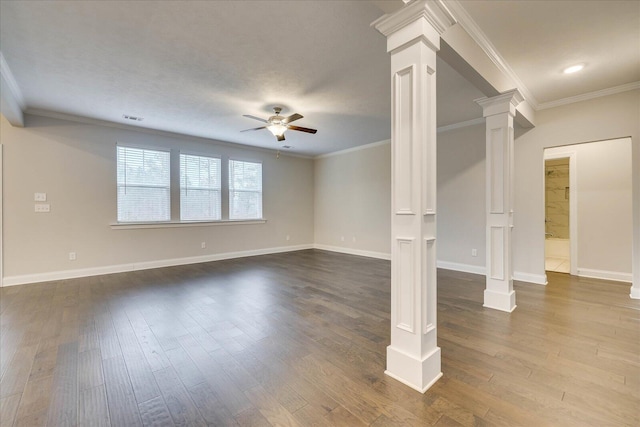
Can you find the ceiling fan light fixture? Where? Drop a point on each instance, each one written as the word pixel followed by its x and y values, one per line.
pixel 277 129
pixel 278 124
pixel 573 69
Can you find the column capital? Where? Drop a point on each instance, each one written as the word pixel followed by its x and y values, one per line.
pixel 504 103
pixel 418 19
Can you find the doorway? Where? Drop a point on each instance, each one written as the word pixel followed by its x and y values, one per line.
pixel 557 195
pixel 561 222
pixel 600 209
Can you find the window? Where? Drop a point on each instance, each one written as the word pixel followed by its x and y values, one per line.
pixel 147 179
pixel 199 188
pixel 143 185
pixel 245 190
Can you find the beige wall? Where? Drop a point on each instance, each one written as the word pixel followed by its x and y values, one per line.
pixel 604 118
pixel 353 200
pixel 604 206
pixel 342 194
pixel 75 164
pixel 461 196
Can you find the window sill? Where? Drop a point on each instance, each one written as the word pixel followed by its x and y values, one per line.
pixel 175 224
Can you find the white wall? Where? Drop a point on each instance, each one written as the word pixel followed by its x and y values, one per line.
pixel 603 118
pixel 353 200
pixel 75 164
pixel 461 198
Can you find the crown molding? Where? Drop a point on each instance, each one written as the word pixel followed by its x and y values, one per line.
pixel 151 131
pixel 11 82
pixel 435 12
pixel 590 95
pixel 447 128
pixel 352 149
pixel 460 125
pixel 470 26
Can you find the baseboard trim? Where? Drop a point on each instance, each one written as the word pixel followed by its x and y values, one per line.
pixel 351 251
pixel 606 275
pixel 465 268
pixel 146 265
pixel 537 279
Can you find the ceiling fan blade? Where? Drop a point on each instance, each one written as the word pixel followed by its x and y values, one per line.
pixel 301 129
pixel 247 130
pixel 255 118
pixel 292 117
pixel 280 137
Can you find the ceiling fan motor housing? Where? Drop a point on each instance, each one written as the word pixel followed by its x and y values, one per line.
pixel 276 120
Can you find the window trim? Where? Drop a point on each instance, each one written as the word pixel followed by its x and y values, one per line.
pixel 176 224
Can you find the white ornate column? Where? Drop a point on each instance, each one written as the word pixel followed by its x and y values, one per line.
pixel 499 112
pixel 413 38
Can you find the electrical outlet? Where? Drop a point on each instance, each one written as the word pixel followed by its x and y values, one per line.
pixel 72 256
pixel 288 237
pixel 42 207
pixel 203 245
pixel 39 197
pixel 353 239
pixel 342 238
pixel 474 252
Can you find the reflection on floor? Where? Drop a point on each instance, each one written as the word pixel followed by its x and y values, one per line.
pixel 560 265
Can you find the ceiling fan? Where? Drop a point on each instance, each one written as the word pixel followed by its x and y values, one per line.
pixel 278 124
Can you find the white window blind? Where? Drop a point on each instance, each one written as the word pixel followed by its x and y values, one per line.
pixel 245 190
pixel 143 185
pixel 200 188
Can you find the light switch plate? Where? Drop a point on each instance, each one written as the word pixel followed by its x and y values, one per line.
pixel 42 207
pixel 40 197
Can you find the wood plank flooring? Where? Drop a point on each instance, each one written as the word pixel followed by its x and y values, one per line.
pixel 299 339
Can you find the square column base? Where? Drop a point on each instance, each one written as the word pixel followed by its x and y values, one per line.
pixel 500 301
pixel 417 374
pixel 635 292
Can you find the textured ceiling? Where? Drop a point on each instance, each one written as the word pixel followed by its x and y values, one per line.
pixel 196 67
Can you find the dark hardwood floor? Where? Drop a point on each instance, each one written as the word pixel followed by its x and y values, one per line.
pixel 299 339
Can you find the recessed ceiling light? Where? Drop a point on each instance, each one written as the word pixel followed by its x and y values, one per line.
pixel 573 69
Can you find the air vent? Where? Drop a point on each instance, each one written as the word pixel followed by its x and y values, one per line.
pixel 287 146
pixel 134 118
